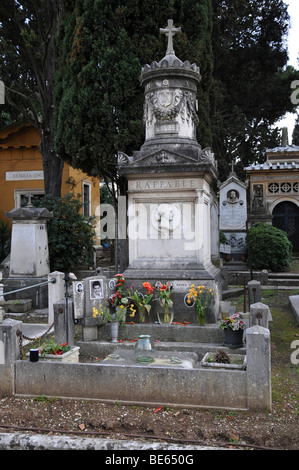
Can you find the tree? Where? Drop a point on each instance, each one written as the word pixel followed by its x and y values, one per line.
pixel 70 234
pixel 268 247
pixel 28 70
pixel 295 136
pixel 251 83
pixel 103 46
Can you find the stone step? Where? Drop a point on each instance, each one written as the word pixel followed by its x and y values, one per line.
pixel 101 349
pixel 192 333
pixel 283 276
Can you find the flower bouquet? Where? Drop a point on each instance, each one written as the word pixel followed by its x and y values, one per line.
pixel 201 297
pixel 142 301
pixel 105 314
pixel 120 301
pixel 166 303
pixel 234 323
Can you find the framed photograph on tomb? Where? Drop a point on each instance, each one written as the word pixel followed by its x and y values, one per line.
pixel 96 289
pixel 78 299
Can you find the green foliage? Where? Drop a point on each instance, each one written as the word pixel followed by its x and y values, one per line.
pixel 269 247
pixel 102 48
pixel 28 68
pixel 50 347
pixel 251 83
pixel 295 136
pixel 5 235
pixel 70 234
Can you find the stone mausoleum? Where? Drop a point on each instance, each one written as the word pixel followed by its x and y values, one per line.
pixel 170 181
pixel 274 191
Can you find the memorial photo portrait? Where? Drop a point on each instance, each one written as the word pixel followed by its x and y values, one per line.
pixel 96 289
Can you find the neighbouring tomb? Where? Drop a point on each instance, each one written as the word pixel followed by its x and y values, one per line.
pixel 274 190
pixel 233 214
pixel 29 254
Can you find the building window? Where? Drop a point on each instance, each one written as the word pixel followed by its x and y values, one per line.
pixel 86 199
pixel 22 196
pixel 283 188
pixel 273 187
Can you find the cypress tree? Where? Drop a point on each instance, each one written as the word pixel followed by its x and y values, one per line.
pixel 103 46
pixel 295 136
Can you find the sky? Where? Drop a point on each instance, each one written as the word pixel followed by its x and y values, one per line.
pixel 293 47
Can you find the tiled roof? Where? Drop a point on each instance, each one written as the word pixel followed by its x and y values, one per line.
pixel 286 149
pixel 274 166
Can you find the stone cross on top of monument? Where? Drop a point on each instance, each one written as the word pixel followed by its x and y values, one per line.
pixel 170 31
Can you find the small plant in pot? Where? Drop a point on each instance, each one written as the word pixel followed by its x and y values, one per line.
pixel 233 329
pixel 50 347
pixel 221 357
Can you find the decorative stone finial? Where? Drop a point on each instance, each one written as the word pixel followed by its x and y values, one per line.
pixel 170 31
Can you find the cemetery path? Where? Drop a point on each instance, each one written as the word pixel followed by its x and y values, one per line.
pixel 199 427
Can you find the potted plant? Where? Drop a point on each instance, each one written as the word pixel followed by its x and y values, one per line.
pixel 201 297
pixel 233 327
pixel 222 360
pixel 53 351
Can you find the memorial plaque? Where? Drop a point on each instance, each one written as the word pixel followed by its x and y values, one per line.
pixel 96 294
pixel 78 298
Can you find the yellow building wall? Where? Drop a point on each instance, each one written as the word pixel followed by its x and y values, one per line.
pixel 19 154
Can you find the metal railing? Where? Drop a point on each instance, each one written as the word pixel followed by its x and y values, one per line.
pixel 53 280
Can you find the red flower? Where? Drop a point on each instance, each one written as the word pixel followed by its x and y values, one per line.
pixel 148 287
pixel 164 287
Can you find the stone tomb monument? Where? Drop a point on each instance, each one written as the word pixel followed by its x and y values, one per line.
pixel 29 255
pixel 169 186
pixel 88 293
pixel 233 214
pixel 29 242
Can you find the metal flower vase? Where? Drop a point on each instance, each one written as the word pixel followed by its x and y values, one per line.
pixel 144 350
pixel 114 325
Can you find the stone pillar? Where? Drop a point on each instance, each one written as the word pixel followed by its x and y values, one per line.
pixel 254 292
pixel 64 326
pixel 259 315
pixel 259 395
pixel 1 287
pixel 9 353
pixel 56 293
